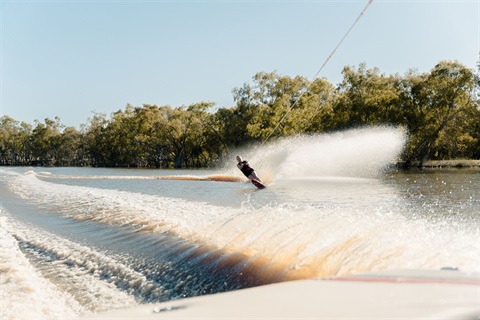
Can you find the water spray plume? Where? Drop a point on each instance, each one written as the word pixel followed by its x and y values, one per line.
pixel 362 153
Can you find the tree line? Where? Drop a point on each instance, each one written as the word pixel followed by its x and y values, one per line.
pixel 439 109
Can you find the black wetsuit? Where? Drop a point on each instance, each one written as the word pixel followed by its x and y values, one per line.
pixel 246 169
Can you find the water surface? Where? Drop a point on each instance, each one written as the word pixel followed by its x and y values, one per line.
pixel 80 240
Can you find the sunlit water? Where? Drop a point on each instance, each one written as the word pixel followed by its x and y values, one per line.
pixel 82 240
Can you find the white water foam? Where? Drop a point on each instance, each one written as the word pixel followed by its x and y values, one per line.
pixel 24 293
pixel 304 240
pixel 354 153
pixel 77 280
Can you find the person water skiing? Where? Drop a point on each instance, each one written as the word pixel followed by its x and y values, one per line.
pixel 248 171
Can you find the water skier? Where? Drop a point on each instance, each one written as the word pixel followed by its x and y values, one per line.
pixel 248 171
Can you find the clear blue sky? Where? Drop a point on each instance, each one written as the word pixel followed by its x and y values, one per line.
pixel 72 58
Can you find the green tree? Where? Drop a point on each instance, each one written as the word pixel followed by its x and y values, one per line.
pixel 218 134
pixel 441 104
pixel 280 105
pixel 95 140
pixel 121 133
pixel 46 141
pixel 366 97
pixel 279 93
pixel 184 133
pixel 151 122
pixel 70 151
pixel 14 141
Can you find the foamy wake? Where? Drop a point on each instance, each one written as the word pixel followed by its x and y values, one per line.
pixel 76 280
pixel 25 294
pixel 301 240
pixel 121 208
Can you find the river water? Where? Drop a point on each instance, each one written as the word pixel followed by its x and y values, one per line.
pixel 76 241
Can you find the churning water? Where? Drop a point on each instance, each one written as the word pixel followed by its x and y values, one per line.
pixel 82 240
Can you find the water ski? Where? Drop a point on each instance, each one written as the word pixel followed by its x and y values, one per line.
pixel 258 184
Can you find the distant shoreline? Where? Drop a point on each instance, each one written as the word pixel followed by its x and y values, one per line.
pixel 430 164
pixel 439 164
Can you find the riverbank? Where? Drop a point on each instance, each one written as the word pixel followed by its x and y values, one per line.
pixel 451 163
pixel 439 164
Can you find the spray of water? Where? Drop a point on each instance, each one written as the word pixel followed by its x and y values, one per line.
pixel 355 153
